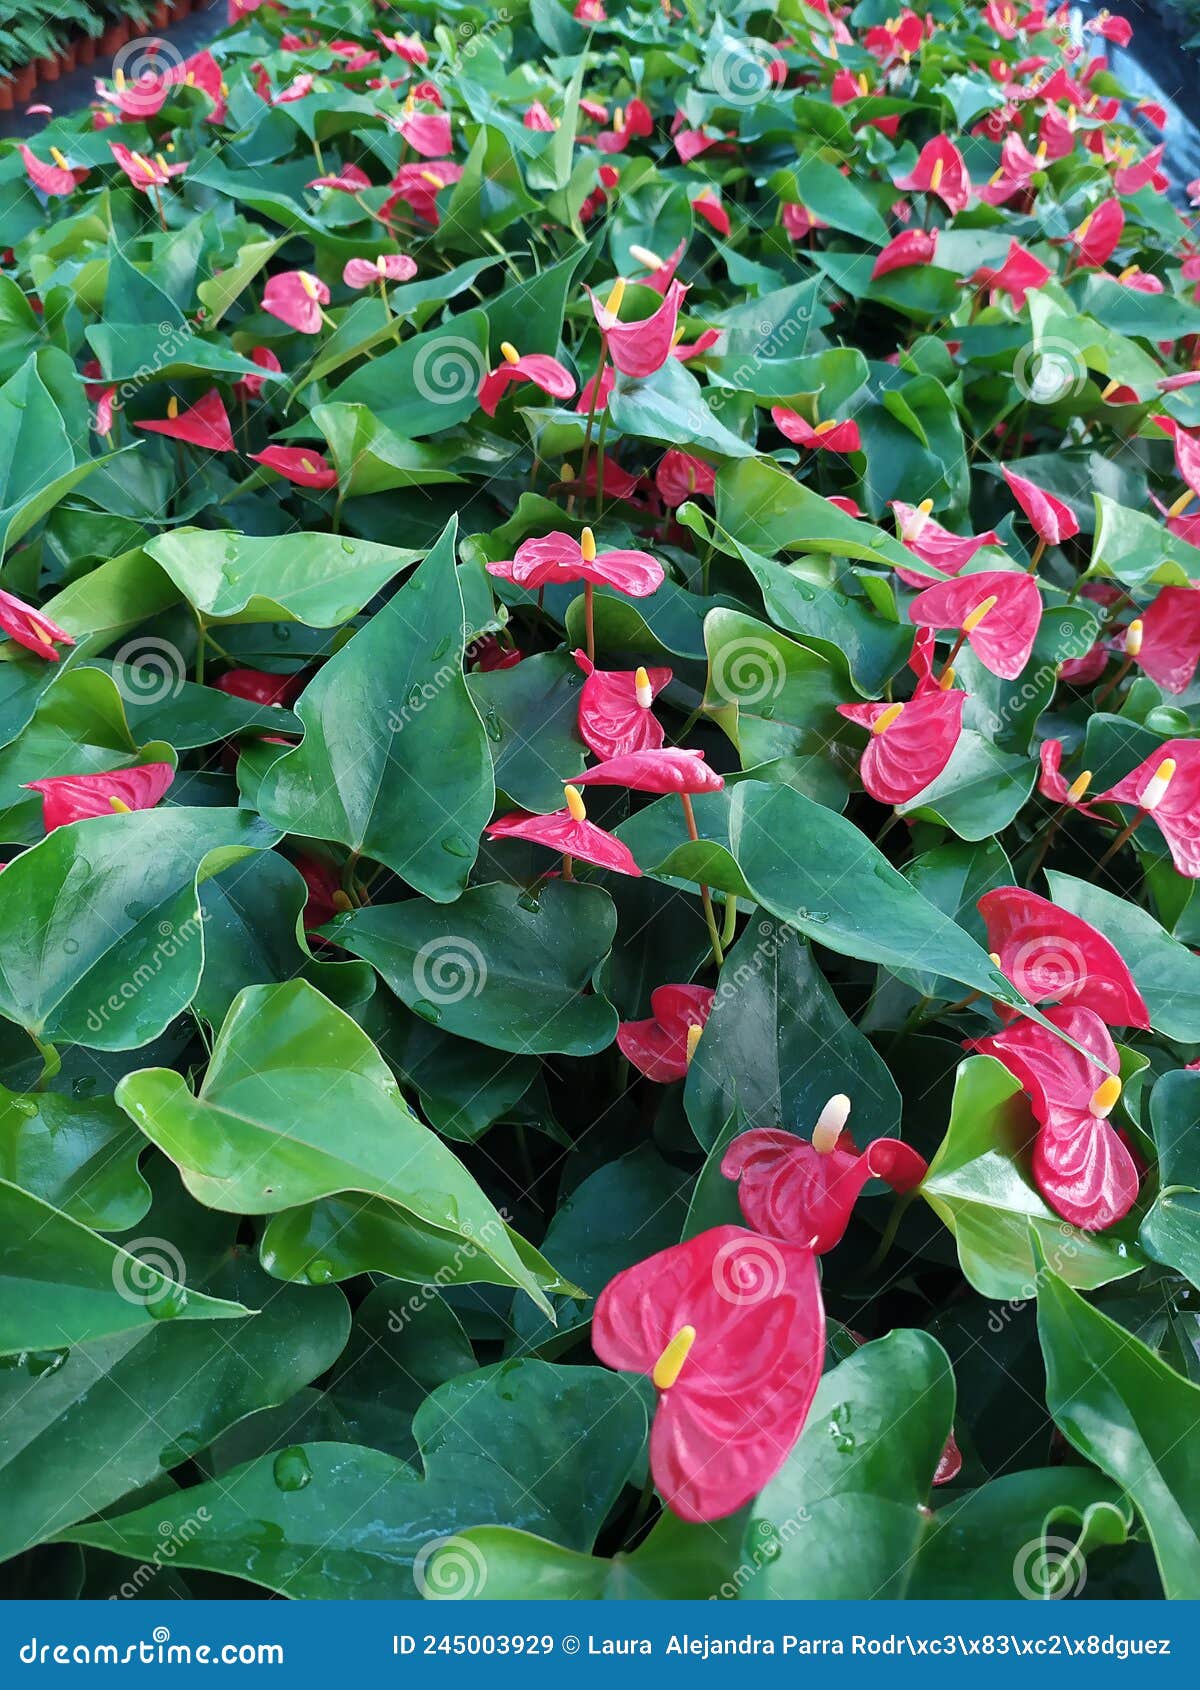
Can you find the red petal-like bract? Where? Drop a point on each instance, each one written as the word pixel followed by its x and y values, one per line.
pixel 904 251
pixel 1171 637
pixel 740 1400
pixel 204 424
pixel 789 1189
pixel 21 622
pixel 658 1047
pixel 913 749
pixel 1054 956
pixel 670 769
pixel 258 686
pixel 557 558
pixel 638 349
pixel 611 721
pixel 544 372
pixel 1052 520
pixel 299 464
pixel 951 183
pixel 562 833
pixel 1004 638
pixel 1177 814
pixel 71 798
pixel 296 298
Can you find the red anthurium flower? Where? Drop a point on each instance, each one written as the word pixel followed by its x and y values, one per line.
pixel 731 1329
pixel 54 179
pixel 1098 236
pixel 599 395
pixel 1167 786
pixel 798 221
pixel 538 118
pixel 1082 1167
pixel 410 48
pixel 941 170
pixel 1052 520
pixel 557 557
pixel 790 1188
pixel 618 483
pixel 638 349
pixel 249 387
pixel 427 133
pixel 488 654
pixel 259 687
pixel 708 204
pixel 630 122
pixel 1131 178
pixel 614 708
pixel 1116 29
pixel 298 88
pixel 1170 647
pixel 905 251
pixel 1053 956
pixel 145 173
pixel 70 798
pixel 1056 136
pixel 668 769
pixel 830 436
pixel 910 743
pixel 543 371
pixel 570 833
pixel 418 186
pixel 348 180
pixel 370 273
pixel 21 622
pixel 933 544
pixel 842 503
pixel 1052 783
pixel 325 895
pixel 204 424
pixel 296 299
pixel 1019 272
pixel 662 1047
pixel 998 612
pixel 299 464
pixel 703 343
pixel 662 270
pixel 949 1463
pixel 679 476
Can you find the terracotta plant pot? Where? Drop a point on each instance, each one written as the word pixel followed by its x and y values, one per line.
pixel 24 83
pixel 162 14
pixel 68 59
pixel 6 94
pixel 88 48
pixel 47 70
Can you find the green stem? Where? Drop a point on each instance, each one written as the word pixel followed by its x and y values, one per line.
pixel 730 927
pixel 51 1062
pixel 710 920
pixel 201 637
pixel 903 1199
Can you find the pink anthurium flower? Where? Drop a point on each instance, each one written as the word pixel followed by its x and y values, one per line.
pixel 799 221
pixel 145 173
pixel 1098 236
pixel 1054 956
pixel 614 708
pixel 418 186
pixel 1081 1166
pixel 937 546
pixel 249 387
pixel 326 898
pixel 410 48
pixel 1019 272
pixel 910 743
pixel 791 1188
pixel 905 251
pixel 1170 648
pixel 668 769
pixel 543 371
pixel 204 424
pixel 299 88
pixel 708 204
pixel 638 349
pixel 427 133
pixel 596 393
pixel 350 179
pixel 829 436
pixel 662 1047
pixel 997 611
pixel 1166 785
pixel 570 833
pixel 632 122
pixel 680 476
pixel 298 464
pixel 71 798
pixel 258 686
pixel 1112 28
pixel 686 350
pixel 941 170
pixel 1052 783
pixel 1144 172
pixel 56 178
pixel 730 1328
pixel 539 119
pixel 557 558
pixel 1052 520
pixel 296 298
pixel 373 272
pixel 21 622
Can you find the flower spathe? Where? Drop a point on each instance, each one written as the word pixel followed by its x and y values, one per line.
pixel 789 1187
pixel 570 833
pixel 910 743
pixel 143 171
pixel 1052 783
pixel 536 367
pixel 906 251
pixel 1081 1166
pixel 828 436
pixel 614 708
pixel 640 348
pixel 56 178
pixel 998 610
pixel 296 298
pixel 204 424
pixel 72 798
pixel 1170 648
pixel 259 686
pixel 730 1328
pixel 372 272
pixel 1166 785
pixel 1054 956
pixel 297 464
pixel 940 170
pixel 663 1046
pixel 558 557
pixel 681 476
pixel 21 622
pixel 1052 520
pixel 669 769
pixel 935 545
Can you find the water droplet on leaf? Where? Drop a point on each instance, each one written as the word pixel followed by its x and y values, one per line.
pixel 291 1469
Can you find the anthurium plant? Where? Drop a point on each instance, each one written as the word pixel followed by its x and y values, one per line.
pixel 600 782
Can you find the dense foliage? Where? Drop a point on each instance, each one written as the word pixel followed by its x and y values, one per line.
pixel 609 729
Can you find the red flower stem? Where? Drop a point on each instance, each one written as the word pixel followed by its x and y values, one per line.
pixel 1126 833
pixel 589 621
pixel 162 221
pixel 568 868
pixel 591 416
pixel 600 461
pixel 1113 684
pixel 1038 553
pixel 1052 827
pixel 689 816
pixel 954 651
